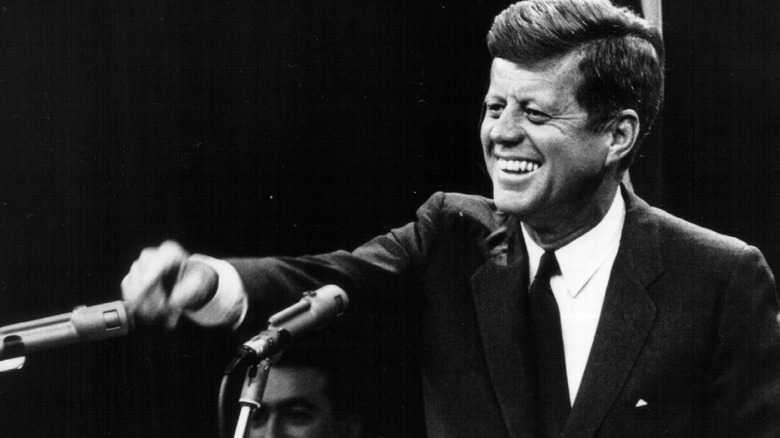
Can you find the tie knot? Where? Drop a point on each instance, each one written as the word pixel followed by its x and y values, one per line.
pixel 548 266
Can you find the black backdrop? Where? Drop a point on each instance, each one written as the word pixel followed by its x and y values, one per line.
pixel 290 127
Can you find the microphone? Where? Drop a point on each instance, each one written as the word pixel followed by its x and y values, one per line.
pixel 84 324
pixel 315 310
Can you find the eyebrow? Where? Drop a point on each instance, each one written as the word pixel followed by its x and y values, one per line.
pixel 294 402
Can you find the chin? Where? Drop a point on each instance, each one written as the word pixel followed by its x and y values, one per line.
pixel 510 203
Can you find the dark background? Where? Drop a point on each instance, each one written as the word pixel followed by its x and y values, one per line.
pixel 290 127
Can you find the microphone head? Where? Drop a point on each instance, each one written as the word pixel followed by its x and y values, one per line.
pixel 315 310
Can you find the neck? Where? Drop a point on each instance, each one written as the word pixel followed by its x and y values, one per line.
pixel 578 222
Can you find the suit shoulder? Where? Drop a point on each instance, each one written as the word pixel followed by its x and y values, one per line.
pixel 679 233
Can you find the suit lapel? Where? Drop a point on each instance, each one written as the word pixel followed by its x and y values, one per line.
pixel 500 306
pixel 627 316
pixel 626 319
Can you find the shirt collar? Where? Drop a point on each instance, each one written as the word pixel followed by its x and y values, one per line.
pixel 582 257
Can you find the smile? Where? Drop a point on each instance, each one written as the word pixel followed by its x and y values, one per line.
pixel 517 166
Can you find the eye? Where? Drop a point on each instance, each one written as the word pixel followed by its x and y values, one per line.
pixel 536 116
pixel 494 109
pixel 298 416
pixel 260 417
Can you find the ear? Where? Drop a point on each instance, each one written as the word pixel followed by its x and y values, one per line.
pixel 623 131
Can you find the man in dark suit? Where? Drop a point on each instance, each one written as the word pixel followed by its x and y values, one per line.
pixel 564 306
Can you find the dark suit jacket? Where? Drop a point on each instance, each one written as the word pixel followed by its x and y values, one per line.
pixel 689 323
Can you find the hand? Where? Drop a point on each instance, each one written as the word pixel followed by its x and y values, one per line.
pixel 164 282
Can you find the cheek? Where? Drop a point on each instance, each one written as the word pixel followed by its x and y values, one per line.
pixel 487 147
pixel 484 134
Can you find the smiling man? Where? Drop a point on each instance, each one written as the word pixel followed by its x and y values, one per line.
pixel 564 306
pixel 549 167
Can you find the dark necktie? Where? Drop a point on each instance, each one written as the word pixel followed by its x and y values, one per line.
pixel 552 386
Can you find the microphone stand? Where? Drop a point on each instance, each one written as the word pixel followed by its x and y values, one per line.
pixel 254 383
pixel 313 310
pixel 251 395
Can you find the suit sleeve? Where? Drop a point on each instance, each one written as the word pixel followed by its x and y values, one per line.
pixel 745 384
pixel 377 276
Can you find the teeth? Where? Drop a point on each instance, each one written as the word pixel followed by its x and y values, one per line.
pixel 517 165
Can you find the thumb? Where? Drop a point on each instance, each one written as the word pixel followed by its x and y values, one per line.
pixel 196 285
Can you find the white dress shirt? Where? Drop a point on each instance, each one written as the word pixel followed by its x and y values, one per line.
pixel 580 289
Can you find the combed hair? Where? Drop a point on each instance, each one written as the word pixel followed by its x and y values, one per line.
pixel 621 55
pixel 343 373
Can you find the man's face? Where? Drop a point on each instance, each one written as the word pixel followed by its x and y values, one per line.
pixel 295 405
pixel 544 163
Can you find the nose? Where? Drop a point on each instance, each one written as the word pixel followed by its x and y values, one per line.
pixel 507 130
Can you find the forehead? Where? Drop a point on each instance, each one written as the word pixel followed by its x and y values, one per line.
pixel 286 383
pixel 552 80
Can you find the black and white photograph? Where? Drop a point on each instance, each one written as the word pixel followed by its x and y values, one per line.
pixel 385 219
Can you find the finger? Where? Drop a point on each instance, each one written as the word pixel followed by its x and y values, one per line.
pixel 196 286
pixel 171 255
pixel 141 279
pixel 144 287
pixel 152 307
pixel 172 318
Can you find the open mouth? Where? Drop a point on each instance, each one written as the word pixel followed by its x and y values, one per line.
pixel 517 166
